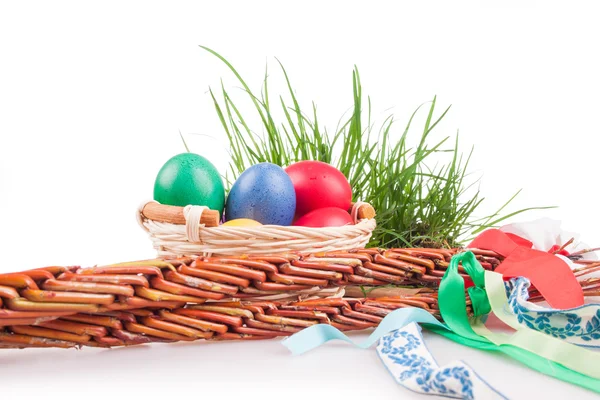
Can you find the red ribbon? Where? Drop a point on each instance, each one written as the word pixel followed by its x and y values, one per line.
pixel 550 275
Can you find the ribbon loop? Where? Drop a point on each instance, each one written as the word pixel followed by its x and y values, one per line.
pixel 477 293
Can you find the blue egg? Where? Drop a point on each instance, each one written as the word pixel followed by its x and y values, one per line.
pixel 265 193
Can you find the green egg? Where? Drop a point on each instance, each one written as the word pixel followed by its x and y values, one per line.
pixel 189 178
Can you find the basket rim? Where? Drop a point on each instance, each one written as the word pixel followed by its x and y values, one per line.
pixel 287 227
pixel 163 213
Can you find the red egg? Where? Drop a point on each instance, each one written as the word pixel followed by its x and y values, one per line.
pixel 329 216
pixel 319 185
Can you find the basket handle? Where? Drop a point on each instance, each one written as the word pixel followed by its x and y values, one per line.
pixel 361 210
pixel 174 214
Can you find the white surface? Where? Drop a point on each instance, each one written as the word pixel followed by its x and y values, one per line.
pixel 253 370
pixel 92 95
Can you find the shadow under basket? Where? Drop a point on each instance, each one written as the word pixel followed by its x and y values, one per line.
pixel 195 231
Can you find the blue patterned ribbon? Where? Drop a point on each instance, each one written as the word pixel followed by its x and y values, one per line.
pixel 405 355
pixel 580 326
pixel 407 359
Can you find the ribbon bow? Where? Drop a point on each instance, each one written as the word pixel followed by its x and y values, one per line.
pixel 550 275
pixel 477 293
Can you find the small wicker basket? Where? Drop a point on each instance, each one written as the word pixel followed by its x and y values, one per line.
pixel 194 231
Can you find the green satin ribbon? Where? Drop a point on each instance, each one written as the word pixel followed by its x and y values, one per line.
pixel 537 350
pixel 477 293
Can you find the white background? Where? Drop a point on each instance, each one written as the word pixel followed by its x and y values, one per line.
pixel 92 95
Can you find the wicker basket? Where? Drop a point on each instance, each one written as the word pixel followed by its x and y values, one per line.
pixel 215 298
pixel 221 298
pixel 194 231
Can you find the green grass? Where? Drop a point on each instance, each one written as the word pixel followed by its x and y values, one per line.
pixel 417 204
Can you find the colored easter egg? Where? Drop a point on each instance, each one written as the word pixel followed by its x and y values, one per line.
pixel 242 222
pixel 319 185
pixel 323 217
pixel 189 178
pixel 264 193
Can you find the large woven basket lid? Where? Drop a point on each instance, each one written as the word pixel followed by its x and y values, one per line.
pixel 194 231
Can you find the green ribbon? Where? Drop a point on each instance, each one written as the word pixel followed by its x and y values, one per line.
pixel 477 293
pixel 537 350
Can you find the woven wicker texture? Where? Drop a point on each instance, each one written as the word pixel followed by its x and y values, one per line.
pixel 194 239
pixel 211 298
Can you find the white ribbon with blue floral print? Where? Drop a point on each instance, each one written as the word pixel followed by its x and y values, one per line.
pixel 580 326
pixel 403 352
pixel 410 363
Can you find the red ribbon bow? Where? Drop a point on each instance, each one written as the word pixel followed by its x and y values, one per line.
pixel 550 275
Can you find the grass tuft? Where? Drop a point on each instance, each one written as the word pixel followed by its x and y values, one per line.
pixel 417 205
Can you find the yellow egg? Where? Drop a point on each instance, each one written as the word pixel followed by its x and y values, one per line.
pixel 242 222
